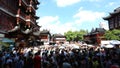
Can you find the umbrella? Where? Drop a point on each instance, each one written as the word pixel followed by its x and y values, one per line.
pixel 84 44
pixel 47 45
pixel 109 46
pixel 7 40
pixel 114 42
pixel 90 45
pixel 74 46
pixel 61 47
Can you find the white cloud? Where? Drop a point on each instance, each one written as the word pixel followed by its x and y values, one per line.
pixel 53 24
pixel 111 3
pixel 104 25
pixel 87 16
pixel 48 20
pixel 94 0
pixel 64 3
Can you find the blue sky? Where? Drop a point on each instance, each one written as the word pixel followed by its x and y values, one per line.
pixel 60 16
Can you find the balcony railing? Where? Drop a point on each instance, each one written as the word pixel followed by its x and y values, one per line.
pixel 7 12
pixel 31 9
pixel 31 19
pixel 26 2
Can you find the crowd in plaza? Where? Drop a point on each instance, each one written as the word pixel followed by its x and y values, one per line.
pixel 55 57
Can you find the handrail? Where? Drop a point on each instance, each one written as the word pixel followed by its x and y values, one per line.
pixel 7 12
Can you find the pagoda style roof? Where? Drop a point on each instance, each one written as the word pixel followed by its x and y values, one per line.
pixel 3 32
pixel 116 11
pixel 36 17
pixel 96 31
pixel 14 29
pixel 25 29
pixel 44 32
pixel 108 17
pixel 101 30
pixel 58 36
pixel 36 1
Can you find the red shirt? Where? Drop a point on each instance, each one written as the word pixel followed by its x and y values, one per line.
pixel 37 61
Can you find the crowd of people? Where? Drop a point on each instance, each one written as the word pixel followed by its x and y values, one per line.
pixel 55 57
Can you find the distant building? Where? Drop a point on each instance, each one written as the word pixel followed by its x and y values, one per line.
pixel 45 37
pixel 18 19
pixel 58 38
pixel 95 36
pixel 114 19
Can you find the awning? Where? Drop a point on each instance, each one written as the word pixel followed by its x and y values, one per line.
pixel 4 44
pixel 7 40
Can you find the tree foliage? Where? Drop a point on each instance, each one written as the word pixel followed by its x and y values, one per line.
pixel 112 34
pixel 75 35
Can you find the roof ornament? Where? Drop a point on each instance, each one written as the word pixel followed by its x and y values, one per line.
pixel 27 30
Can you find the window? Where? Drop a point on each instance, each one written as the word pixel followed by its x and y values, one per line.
pixel 116 21
pixel 111 23
pixel 119 19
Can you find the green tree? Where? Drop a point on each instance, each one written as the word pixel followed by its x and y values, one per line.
pixel 69 35
pixel 81 33
pixel 112 34
pixel 75 35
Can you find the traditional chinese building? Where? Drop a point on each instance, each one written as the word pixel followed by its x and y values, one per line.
pixel 18 18
pixel 45 36
pixel 95 36
pixel 114 19
pixel 58 38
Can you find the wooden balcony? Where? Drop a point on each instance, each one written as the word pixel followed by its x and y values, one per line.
pixel 22 14
pixel 31 19
pixel 31 9
pixel 11 7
